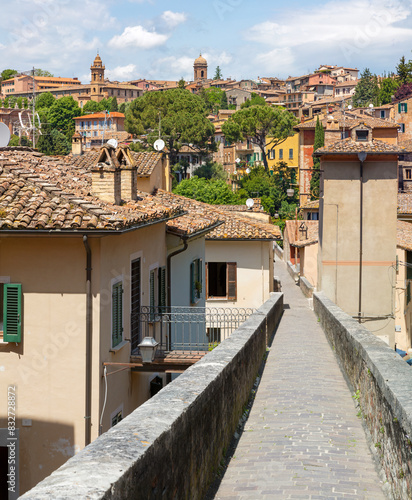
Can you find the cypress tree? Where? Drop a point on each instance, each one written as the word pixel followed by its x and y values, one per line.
pixel 319 143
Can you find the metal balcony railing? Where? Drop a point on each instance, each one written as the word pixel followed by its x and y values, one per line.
pixel 189 329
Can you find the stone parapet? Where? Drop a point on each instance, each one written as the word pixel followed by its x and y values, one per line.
pixel 306 287
pixel 382 383
pixel 170 447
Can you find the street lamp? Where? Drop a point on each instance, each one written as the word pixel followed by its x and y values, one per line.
pixel 148 348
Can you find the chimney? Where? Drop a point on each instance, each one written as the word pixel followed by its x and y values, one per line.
pixel 128 170
pixel 106 177
pixel 332 131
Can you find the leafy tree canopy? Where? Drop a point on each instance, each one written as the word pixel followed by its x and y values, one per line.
pixel 214 98
pixel 211 170
pixel 367 90
pixel 404 71
pixel 182 83
pixel 218 74
pixel 212 191
pixel 183 120
pixel 255 100
pixel 45 100
pixel 61 115
pixel 6 74
pixel 388 88
pixel 264 126
pixel 318 143
pixel 41 72
pixel 404 91
pixel 91 107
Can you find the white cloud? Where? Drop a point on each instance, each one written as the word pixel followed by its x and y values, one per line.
pixel 122 73
pixel 173 19
pixel 174 67
pixel 344 29
pixel 137 36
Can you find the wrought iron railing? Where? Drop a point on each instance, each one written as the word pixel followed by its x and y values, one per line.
pixel 190 329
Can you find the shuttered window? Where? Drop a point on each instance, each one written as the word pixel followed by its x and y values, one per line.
pixel 221 280
pixel 12 312
pixel 162 287
pixel 196 282
pixel 117 314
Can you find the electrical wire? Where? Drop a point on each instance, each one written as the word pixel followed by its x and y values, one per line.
pixel 105 400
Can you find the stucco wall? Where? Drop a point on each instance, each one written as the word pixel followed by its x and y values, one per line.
pixel 339 238
pixel 170 446
pixel 309 263
pixel 383 380
pixel 254 270
pixel 403 310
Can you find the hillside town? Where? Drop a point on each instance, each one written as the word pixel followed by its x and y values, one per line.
pixel 142 222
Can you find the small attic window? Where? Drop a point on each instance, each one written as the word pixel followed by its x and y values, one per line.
pixel 362 135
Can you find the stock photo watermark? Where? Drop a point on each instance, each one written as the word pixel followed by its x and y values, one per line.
pixel 12 440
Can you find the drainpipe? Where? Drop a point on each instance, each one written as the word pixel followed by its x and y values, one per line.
pixel 362 157
pixel 88 401
pixel 168 275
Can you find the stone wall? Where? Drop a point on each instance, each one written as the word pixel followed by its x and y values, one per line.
pixel 306 287
pixel 382 384
pixel 170 446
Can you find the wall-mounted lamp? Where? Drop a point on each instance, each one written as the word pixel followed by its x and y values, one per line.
pixel 148 348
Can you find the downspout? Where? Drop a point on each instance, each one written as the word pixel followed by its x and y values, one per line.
pixel 362 158
pixel 88 392
pixel 168 276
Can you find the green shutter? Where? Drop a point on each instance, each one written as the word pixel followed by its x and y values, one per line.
pixel 117 314
pixel 405 107
pixel 192 283
pixel 162 286
pixel 12 313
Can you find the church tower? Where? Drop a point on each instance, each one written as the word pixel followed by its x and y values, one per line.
pixel 97 79
pixel 200 69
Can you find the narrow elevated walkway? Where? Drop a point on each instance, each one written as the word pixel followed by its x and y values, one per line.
pixel 303 438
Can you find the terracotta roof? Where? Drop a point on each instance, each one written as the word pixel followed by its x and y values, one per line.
pixel 145 161
pixel 348 145
pixel 404 203
pixel 404 235
pixel 304 238
pixel 310 205
pixel 350 120
pixel 48 193
pixel 113 114
pixel 235 226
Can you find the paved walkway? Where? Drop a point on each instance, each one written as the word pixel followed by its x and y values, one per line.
pixel 303 438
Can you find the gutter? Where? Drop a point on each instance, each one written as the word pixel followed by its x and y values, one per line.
pixel 88 381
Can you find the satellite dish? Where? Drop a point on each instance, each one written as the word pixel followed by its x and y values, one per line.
pixel 248 170
pixel 350 106
pixel 249 203
pixel 237 160
pixel 112 142
pixel 4 135
pixel 371 105
pixel 159 145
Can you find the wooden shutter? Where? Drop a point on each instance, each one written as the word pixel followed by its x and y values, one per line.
pixel 207 279
pixel 192 283
pixel 231 280
pixel 399 107
pixel 12 313
pixel 405 107
pixel 162 287
pixel 200 275
pixel 117 314
pixel 152 289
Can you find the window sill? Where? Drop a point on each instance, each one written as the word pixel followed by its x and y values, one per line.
pixel 118 347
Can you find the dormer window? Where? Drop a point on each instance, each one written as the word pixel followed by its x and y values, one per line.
pixel 362 135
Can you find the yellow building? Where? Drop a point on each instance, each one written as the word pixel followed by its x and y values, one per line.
pixel 287 151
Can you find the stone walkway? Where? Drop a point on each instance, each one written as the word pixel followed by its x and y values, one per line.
pixel 303 438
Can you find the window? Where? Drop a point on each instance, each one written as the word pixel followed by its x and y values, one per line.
pixel 362 135
pixel 273 154
pixel 196 282
pixel 135 302
pixel 402 128
pixel 402 107
pixel 157 290
pixel 290 154
pixel 383 113
pixel 408 173
pixel 221 280
pixel 10 310
pixel 117 313
pixel 280 154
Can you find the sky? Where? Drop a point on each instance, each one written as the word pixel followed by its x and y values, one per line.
pixel 158 39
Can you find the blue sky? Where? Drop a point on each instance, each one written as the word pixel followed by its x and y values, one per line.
pixel 160 39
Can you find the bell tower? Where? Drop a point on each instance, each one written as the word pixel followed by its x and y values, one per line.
pixel 97 78
pixel 200 69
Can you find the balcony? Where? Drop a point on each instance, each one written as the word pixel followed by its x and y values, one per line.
pixel 184 334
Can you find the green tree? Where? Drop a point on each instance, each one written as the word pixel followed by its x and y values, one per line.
pixel 53 142
pixel 404 71
pixel 263 126
pixel 41 72
pixel 113 105
pixel 122 107
pixel 255 100
pixel 214 97
pixel 211 170
pixel 6 102
pixel 45 100
pixel 223 101
pixel 212 191
pixel 218 74
pixel 183 121
pixel 25 103
pixel 387 89
pixel 61 115
pixel 6 74
pixel 20 102
pixel 367 90
pixel 318 143
pixel 92 107
pixel 182 83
